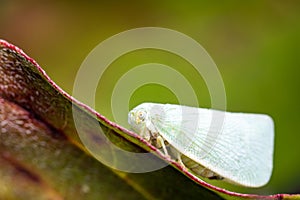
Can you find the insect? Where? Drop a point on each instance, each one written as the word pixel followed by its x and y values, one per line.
pixel 234 147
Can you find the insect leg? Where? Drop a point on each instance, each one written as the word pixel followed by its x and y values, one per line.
pixel 178 156
pixel 145 133
pixel 179 159
pixel 160 142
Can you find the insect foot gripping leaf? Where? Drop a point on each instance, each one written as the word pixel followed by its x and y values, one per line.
pixel 234 147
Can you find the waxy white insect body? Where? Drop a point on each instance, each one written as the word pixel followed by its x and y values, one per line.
pixel 213 144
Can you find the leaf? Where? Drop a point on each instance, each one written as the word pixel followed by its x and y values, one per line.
pixel 42 157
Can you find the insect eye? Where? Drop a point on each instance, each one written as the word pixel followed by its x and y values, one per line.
pixel 141 116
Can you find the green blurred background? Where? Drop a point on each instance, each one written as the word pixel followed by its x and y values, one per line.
pixel 255 44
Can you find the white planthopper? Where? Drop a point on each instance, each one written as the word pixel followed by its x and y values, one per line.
pixel 235 147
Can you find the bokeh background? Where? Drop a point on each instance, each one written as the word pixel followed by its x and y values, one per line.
pixel 255 44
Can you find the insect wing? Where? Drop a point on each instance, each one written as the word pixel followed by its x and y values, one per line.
pixel 237 146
